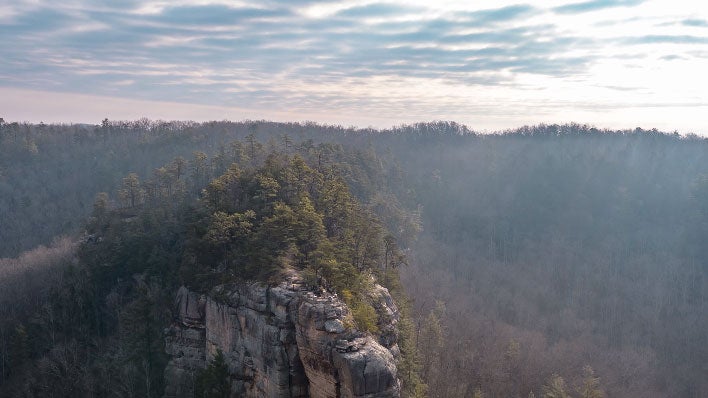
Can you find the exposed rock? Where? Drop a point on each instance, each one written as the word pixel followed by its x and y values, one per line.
pixel 334 326
pixel 185 344
pixel 282 341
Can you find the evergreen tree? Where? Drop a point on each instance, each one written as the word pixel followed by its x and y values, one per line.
pixel 131 192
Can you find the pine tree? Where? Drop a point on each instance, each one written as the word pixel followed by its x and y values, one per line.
pixel 178 166
pixel 99 215
pixel 131 191
pixel 308 229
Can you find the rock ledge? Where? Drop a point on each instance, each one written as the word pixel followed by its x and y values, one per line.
pixel 282 341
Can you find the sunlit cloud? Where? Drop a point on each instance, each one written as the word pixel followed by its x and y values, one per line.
pixel 369 61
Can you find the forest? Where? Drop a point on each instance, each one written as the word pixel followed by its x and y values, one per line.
pixel 549 261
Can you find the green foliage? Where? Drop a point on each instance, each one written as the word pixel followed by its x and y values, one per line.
pixel 308 229
pixel 228 230
pixel 410 365
pixel 131 192
pixel 214 380
pixel 561 231
pixel 365 317
pixel 241 214
pixel 225 192
pixel 258 221
pixel 198 167
pixel 100 212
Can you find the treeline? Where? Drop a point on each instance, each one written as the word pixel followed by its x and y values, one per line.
pixel 94 326
pixel 49 174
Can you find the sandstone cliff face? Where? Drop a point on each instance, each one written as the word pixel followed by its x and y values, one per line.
pixel 282 341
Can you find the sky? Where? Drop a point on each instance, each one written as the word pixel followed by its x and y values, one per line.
pixel 490 65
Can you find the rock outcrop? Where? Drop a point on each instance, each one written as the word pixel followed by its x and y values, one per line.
pixel 282 341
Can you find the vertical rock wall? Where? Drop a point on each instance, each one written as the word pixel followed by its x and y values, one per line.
pixel 281 341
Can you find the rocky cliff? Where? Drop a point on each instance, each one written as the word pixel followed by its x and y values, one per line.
pixel 282 341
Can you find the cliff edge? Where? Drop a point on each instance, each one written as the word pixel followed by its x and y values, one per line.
pixel 282 341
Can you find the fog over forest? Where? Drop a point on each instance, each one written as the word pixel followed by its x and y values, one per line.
pixel 547 261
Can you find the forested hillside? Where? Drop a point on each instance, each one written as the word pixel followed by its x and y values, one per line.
pixel 557 247
pixel 537 260
pixel 89 320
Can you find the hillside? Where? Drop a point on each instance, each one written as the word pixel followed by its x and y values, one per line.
pixel 539 258
pixel 267 221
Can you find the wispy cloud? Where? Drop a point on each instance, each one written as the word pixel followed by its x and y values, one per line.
pixel 430 59
pixel 215 15
pixel 379 10
pixel 500 15
pixel 672 39
pixel 594 5
pixel 695 22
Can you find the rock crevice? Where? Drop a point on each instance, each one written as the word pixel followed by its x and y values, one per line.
pixel 281 341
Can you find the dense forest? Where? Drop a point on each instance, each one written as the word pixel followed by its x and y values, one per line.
pixel 543 261
pixel 99 309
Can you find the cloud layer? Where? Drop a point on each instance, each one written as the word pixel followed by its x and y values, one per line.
pixel 385 61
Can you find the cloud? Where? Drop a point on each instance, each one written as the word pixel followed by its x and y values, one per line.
pixel 667 39
pixel 503 14
pixel 426 56
pixel 215 15
pixel 594 5
pixel 695 22
pixel 218 40
pixel 378 10
pixel 672 57
pixel 184 51
pixel 40 19
pixel 621 88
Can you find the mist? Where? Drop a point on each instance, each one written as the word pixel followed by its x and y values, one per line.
pixel 535 256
